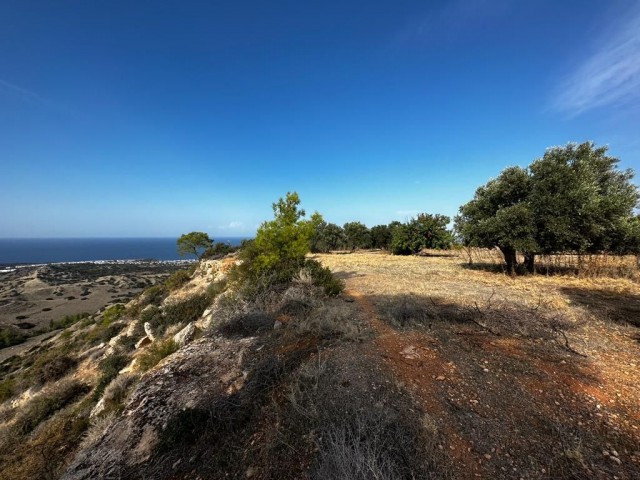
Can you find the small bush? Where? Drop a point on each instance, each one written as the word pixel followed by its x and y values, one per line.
pixel 109 369
pixel 117 391
pixel 218 250
pixel 153 295
pixel 7 389
pixel 48 369
pixel 156 352
pixel 322 277
pixel 177 280
pixel 67 321
pixel 248 325
pixel 45 405
pixel 10 337
pixel 406 310
pixel 113 313
pixel 103 333
pixel 188 310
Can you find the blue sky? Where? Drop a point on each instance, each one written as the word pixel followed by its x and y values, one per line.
pixel 156 118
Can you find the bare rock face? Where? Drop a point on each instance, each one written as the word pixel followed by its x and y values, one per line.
pixel 190 378
pixel 185 335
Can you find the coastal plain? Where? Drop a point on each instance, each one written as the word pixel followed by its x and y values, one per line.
pixel 32 297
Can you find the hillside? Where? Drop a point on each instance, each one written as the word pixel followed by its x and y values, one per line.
pixel 424 367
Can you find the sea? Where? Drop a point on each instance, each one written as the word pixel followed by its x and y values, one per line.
pixel 29 251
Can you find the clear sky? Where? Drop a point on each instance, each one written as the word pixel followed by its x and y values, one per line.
pixel 155 118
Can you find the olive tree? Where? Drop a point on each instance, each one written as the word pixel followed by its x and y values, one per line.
pixel 573 199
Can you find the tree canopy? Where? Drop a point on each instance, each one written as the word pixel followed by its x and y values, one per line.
pixel 573 199
pixel 193 243
pixel 424 231
pixel 282 243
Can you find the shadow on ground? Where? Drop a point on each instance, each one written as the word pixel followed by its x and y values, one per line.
pixel 618 307
pixel 523 404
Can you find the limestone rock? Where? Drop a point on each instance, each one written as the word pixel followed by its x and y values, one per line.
pixel 98 409
pixel 185 335
pixel 193 377
pixel 143 342
pixel 148 329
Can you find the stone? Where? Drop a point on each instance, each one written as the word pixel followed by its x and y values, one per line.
pixel 143 342
pixel 185 335
pixel 149 331
pixel 98 409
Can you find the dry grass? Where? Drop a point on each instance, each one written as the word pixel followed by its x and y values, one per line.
pixel 487 354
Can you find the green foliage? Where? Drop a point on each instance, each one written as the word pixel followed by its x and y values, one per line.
pixel 424 231
pixel 67 321
pixel 49 367
pixel 281 244
pixel 193 244
pixel 156 352
pixel 10 336
pixel 326 237
pixel 113 313
pixel 102 332
pixel 357 235
pixel 219 249
pixel 109 369
pixel 186 311
pixel 7 389
pixel 322 277
pixel 43 406
pixel 381 235
pixel 573 199
pixel 153 295
pixel 177 280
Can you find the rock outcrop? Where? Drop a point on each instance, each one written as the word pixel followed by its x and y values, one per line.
pixel 189 379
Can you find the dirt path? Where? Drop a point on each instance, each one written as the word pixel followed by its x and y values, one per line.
pixel 415 361
pixel 508 406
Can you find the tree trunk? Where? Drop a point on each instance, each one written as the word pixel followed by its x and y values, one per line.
pixel 529 261
pixel 510 258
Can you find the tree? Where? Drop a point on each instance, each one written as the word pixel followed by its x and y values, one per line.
pixel 573 199
pixel 193 244
pixel 281 244
pixel 381 236
pixel 327 237
pixel 356 235
pixel 424 231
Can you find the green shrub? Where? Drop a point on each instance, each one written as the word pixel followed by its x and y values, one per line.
pixel 153 295
pixel 43 406
pixel 218 250
pixel 280 246
pixel 113 313
pixel 188 310
pixel 7 389
pixel 322 277
pixel 10 337
pixel 109 369
pixel 103 333
pixel 151 314
pixel 177 280
pixel 156 352
pixel 67 320
pixel 117 391
pixel 48 369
